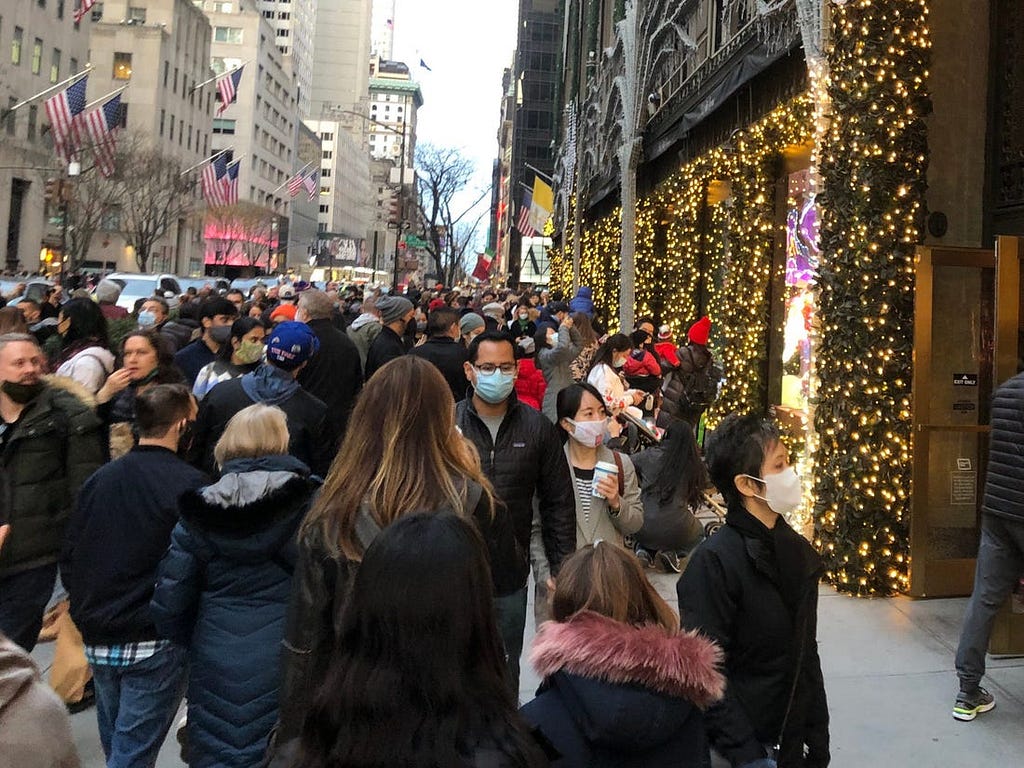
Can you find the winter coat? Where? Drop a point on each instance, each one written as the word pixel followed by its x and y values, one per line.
pixel 667 354
pixel 599 524
pixel 520 330
pixel 89 367
pixel 524 461
pixel 1004 482
pixel 363 331
pixel 192 358
pixel 386 347
pixel 119 414
pixel 693 358
pixel 334 374
pixel 35 730
pixel 320 586
pixel 580 367
pixel 669 526
pixel 530 384
pixel 120 529
pixel 449 357
pixel 754 591
pixel 620 696
pixel 223 591
pixel 311 439
pixel 555 364
pixel 641 363
pixel 52 449
pixel 213 374
pixel 608 382
pixel 583 301
pixel 178 332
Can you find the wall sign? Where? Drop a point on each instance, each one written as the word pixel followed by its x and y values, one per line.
pixel 965 379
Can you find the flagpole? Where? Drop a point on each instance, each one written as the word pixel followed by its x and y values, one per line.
pixel 222 74
pixel 282 186
pixel 236 160
pixel 210 159
pixel 539 173
pixel 74 78
pixel 110 95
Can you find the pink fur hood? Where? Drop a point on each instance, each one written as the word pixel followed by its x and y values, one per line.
pixel 589 645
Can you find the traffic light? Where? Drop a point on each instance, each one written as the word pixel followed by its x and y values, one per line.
pixel 52 191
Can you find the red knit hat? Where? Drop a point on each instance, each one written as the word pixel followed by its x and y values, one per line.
pixel 700 331
pixel 435 304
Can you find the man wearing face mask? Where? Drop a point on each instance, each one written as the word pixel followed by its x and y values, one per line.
pixel 49 444
pixel 395 314
pixel 116 537
pixel 216 316
pixel 752 587
pixel 522 456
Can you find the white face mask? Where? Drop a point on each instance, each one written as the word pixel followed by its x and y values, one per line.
pixel 783 491
pixel 589 433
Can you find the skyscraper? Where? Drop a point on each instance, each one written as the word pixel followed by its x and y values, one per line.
pixel 293 22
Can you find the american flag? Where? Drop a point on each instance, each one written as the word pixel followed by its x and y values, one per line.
pixel 213 173
pixel 100 124
pixel 84 7
pixel 296 183
pixel 62 111
pixel 312 183
pixel 523 224
pixel 228 87
pixel 230 183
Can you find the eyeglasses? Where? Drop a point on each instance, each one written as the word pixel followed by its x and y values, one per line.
pixel 489 368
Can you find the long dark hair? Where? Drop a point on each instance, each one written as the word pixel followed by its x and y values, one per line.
pixel 567 404
pixel 87 324
pixel 418 676
pixel 618 342
pixel 167 371
pixel 239 328
pixel 681 470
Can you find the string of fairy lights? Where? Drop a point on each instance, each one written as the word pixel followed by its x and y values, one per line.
pixel 866 116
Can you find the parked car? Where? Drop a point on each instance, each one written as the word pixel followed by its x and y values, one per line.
pixel 219 284
pixel 35 289
pixel 141 286
pixel 246 284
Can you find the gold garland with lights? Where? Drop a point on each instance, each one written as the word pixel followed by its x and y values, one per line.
pixel 874 165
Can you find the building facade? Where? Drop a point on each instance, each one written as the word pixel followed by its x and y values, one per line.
pixel 382 29
pixel 293 23
pixel 40 46
pixel 341 49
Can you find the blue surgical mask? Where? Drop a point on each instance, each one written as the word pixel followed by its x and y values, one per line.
pixel 494 387
pixel 147 319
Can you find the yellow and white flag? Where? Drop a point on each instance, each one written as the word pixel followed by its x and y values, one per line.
pixel 542 205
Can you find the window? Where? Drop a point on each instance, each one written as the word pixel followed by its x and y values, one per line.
pixel 223 126
pixel 122 115
pixel 170 136
pixel 73 66
pixel 60 9
pixel 167 72
pixel 227 34
pixel 223 7
pixel 37 56
pixel 327 137
pixel 110 219
pixel 284 15
pixel 328 154
pixel 181 132
pixel 325 209
pixel 122 65
pixel 16 41
pixel 55 65
pixel 97 12
pixel 175 86
pixel 163 118
pixel 325 173
pixel 11 101
pixel 33 117
pixel 136 15
pixel 282 33
pixel 189 145
pixel 321 227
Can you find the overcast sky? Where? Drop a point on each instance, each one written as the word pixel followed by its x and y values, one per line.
pixel 467 44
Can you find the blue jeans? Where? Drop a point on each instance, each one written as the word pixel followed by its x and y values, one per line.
pixel 23 600
pixel 511 610
pixel 135 706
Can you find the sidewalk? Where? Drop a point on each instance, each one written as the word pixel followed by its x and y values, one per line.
pixel 888 668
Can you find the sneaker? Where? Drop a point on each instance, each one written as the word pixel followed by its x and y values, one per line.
pixel 970 703
pixel 670 560
pixel 644 557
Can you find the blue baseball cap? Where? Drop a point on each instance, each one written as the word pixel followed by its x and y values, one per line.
pixel 290 344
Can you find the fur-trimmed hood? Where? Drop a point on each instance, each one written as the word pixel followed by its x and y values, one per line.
pixel 72 387
pixel 589 645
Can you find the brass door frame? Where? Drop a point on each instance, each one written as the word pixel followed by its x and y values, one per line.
pixel 954 574
pixel 1008 300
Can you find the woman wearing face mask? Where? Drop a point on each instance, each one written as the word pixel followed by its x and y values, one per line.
pixel 555 352
pixel 85 356
pixel 521 326
pixel 146 360
pixel 753 588
pixel 606 376
pixel 242 354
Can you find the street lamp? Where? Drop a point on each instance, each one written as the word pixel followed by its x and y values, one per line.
pixel 401 181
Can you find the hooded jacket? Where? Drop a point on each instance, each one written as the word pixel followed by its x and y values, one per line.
pixel 583 301
pixel 363 331
pixel 35 731
pixel 555 364
pixel 617 695
pixel 50 452
pixel 223 591
pixel 89 367
pixel 754 591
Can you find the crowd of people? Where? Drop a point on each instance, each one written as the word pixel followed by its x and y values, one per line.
pixel 313 514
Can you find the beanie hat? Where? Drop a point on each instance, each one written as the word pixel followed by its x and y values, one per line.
pixel 108 291
pixel 436 304
pixel 664 333
pixel 470 322
pixel 290 344
pixel 287 311
pixel 700 331
pixel 495 310
pixel 393 308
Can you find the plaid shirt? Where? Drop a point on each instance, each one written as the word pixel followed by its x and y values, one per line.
pixel 124 655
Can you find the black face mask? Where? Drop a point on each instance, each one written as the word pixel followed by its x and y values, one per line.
pixel 22 393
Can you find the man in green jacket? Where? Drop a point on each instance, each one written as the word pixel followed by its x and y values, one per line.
pixel 49 444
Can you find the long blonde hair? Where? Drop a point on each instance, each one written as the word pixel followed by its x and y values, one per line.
pixel 401 454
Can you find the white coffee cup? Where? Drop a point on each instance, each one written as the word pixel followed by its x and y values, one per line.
pixel 603 469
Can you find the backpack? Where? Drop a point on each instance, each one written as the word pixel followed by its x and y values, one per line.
pixel 700 386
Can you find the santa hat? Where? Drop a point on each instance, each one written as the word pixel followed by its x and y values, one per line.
pixel 664 333
pixel 700 331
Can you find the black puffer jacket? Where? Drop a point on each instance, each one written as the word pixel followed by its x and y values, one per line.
pixel 527 459
pixel 1004 484
pixel 765 618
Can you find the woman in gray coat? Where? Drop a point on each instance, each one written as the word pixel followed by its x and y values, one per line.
pixel 555 352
